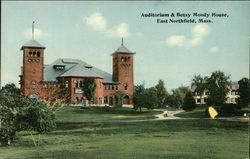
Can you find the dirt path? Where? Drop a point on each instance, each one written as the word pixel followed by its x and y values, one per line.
pixel 168 115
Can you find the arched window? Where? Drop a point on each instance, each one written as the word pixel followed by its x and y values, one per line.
pixel 128 58
pixel 34 54
pixel 125 58
pixel 126 87
pixel 38 54
pixel 30 54
pixel 122 58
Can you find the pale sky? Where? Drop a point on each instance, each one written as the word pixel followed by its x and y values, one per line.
pixel 91 31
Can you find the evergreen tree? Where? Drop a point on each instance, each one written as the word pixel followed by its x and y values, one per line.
pixel 189 102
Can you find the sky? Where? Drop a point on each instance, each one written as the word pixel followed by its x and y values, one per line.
pixel 92 31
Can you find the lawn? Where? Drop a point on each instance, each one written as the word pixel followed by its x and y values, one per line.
pixel 102 113
pixel 198 112
pixel 169 139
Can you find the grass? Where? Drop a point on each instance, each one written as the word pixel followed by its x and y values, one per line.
pixel 171 139
pixel 198 112
pixel 102 113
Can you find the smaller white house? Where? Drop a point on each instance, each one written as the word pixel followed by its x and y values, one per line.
pixel 231 96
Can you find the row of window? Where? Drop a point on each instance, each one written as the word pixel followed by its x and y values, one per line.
pixel 34 54
pixel 231 93
pixel 34 60
pixel 125 59
pixel 114 87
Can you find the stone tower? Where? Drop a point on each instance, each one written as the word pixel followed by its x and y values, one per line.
pixel 32 69
pixel 123 72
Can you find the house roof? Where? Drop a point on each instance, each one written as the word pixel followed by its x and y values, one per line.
pixel 124 50
pixel 233 86
pixel 32 44
pixel 74 68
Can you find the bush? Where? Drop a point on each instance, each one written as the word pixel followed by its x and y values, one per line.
pixel 227 110
pixel 19 113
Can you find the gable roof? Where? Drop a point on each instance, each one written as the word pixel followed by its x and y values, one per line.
pixel 75 68
pixel 32 44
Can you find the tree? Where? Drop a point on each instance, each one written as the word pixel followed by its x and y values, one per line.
pixel 161 94
pixel 189 102
pixel 118 99
pixel 244 92
pixel 146 98
pixel 89 87
pixel 218 87
pixel 201 84
pixel 176 99
pixel 19 113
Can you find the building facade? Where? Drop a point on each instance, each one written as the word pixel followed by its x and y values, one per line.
pixel 230 98
pixel 63 79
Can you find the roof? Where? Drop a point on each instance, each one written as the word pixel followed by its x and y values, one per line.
pixel 32 44
pixel 123 49
pixel 233 86
pixel 75 68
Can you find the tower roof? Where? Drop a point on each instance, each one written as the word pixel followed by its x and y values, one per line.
pixel 123 49
pixel 32 44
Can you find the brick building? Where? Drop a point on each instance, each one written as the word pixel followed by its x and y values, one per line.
pixel 62 80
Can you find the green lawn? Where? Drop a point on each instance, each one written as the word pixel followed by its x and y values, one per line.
pixel 102 113
pixel 198 112
pixel 169 139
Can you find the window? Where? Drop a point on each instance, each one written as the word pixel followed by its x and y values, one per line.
pixel 125 59
pixel 81 84
pixel 66 84
pixel 122 58
pixel 232 100
pixel 54 85
pixel 75 83
pixel 30 54
pixel 233 93
pixel 109 87
pixel 38 54
pixel 113 87
pixel 116 87
pixel 198 100
pixel 126 87
pixel 33 84
pixel 34 54
pixel 45 85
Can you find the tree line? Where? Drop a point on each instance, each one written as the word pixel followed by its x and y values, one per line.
pixel 182 97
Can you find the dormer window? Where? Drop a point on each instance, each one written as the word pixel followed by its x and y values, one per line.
pixel 88 66
pixel 59 67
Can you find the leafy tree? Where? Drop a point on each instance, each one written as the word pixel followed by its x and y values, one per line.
pixel 63 93
pixel 161 94
pixel 189 102
pixel 139 89
pixel 201 84
pixel 89 87
pixel 19 113
pixel 146 98
pixel 176 99
pixel 244 92
pixel 118 99
pixel 218 87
